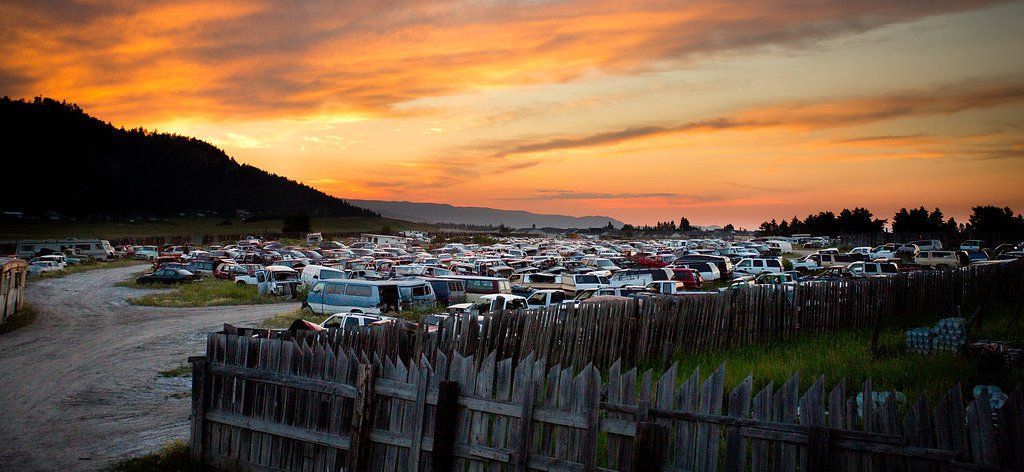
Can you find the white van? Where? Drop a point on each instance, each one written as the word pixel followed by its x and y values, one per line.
pixel 571 283
pixel 639 277
pixel 97 248
pixel 781 246
pixel 754 266
pixel 313 273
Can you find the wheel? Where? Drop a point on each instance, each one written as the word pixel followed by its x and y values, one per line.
pixel 240 282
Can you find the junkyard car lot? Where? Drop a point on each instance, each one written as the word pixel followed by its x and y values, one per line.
pixel 376 274
pixel 88 387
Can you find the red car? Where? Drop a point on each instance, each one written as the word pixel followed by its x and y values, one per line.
pixel 689 277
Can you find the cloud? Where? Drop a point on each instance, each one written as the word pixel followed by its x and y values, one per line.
pixel 832 113
pixel 272 58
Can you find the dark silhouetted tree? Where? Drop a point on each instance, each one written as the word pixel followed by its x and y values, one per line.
pixel 992 219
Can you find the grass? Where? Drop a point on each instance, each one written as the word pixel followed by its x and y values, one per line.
pixel 20 319
pixel 284 320
pixel 209 292
pixel 171 458
pixel 184 370
pixel 848 356
pixel 85 267
pixel 189 227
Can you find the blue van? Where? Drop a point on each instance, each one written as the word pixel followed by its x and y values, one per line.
pixel 448 291
pixel 328 297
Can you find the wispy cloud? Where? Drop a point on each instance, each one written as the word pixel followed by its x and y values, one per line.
pixel 832 113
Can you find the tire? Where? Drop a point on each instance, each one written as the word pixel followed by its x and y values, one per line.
pixel 240 282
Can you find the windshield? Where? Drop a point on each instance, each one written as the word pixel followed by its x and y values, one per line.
pixel 605 263
pixel 586 279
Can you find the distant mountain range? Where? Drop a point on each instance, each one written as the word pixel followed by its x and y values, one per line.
pixel 61 159
pixel 444 213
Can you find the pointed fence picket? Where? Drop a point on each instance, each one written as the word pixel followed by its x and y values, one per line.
pixel 309 404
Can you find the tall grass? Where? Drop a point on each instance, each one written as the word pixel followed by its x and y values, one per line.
pixel 284 320
pixel 21 319
pixel 171 458
pixel 209 292
pixel 848 356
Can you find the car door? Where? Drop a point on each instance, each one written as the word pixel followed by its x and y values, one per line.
pixel 315 297
pixel 757 266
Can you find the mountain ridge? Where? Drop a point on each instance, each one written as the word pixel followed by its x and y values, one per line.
pixel 434 213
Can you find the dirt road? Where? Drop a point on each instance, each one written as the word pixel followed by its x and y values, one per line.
pixel 80 387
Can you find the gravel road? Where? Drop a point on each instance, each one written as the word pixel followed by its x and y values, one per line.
pixel 80 387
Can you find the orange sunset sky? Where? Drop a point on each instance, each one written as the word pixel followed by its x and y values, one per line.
pixel 722 111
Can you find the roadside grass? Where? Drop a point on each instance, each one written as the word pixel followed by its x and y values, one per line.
pixel 847 355
pixel 209 292
pixel 87 266
pixel 183 370
pixel 284 320
pixel 173 457
pixel 21 319
pixel 190 226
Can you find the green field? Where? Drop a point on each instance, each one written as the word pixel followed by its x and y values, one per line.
pixel 208 292
pixel 188 227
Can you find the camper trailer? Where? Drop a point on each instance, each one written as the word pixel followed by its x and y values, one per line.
pixel 96 248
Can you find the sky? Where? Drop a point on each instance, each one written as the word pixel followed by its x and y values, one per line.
pixel 719 111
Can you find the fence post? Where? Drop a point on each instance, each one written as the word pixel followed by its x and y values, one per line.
pixel 818 445
pixel 199 392
pixel 444 427
pixel 521 455
pixel 649 450
pixel 362 418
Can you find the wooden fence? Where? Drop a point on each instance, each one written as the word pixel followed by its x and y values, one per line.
pixel 650 331
pixel 263 404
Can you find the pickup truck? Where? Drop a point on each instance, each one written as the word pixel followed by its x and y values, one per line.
pixel 545 298
pixel 666 287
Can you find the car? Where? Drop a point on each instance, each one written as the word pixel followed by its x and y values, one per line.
pixel 754 266
pixel 168 276
pixel 368 296
pixel 873 269
pixel 59 259
pixel 38 267
pixel 942 259
pixel 346 321
pixel 723 263
pixel 928 244
pixel 690 278
pixel 708 271
pixel 489 303
pixel 973 245
pixel 640 277
pixel 544 298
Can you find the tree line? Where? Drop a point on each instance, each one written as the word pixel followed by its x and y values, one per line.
pixel 983 219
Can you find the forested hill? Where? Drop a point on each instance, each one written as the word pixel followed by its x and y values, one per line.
pixel 59 158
